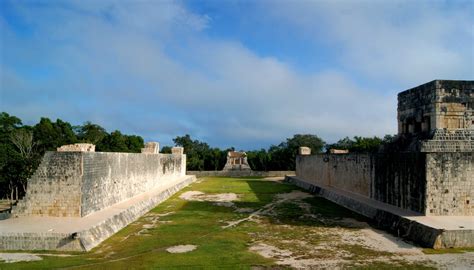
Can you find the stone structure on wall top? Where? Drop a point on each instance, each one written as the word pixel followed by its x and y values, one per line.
pixel 439 104
pixel 236 161
pixel 151 148
pixel 303 150
pixel 77 147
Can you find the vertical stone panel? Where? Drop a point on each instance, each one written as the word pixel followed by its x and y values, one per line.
pixel 351 172
pixel 450 184
pixel 399 179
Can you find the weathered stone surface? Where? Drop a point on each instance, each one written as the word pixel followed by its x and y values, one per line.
pixel 450 184
pixel 236 161
pixel 352 172
pixel 83 234
pixel 303 150
pixel 439 104
pixel 74 184
pixel 77 147
pixel 338 151
pixel 177 150
pixel 151 148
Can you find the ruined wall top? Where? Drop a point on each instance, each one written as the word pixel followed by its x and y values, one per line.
pixel 439 104
pixel 77 147
pixel 151 148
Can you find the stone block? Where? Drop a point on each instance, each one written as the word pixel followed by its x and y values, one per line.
pixel 177 150
pixel 151 148
pixel 304 151
pixel 77 147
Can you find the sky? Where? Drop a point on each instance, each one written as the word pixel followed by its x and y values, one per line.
pixel 246 74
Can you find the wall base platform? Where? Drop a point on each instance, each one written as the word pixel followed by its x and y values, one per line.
pixel 427 231
pixel 82 234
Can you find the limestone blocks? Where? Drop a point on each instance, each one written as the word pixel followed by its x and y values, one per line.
pixel 151 148
pixel 177 150
pixel 338 151
pixel 304 151
pixel 77 147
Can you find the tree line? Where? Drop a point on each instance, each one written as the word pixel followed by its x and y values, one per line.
pixel 201 157
pixel 22 147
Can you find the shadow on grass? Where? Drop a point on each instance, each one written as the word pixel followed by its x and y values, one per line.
pixel 322 213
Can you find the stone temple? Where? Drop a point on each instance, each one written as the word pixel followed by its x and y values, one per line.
pixel 421 185
pixel 236 161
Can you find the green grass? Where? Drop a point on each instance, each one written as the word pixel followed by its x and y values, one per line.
pixel 200 223
pixel 447 250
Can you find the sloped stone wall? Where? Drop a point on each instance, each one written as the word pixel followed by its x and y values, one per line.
pixel 54 189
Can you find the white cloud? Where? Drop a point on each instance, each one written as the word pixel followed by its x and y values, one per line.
pixel 148 67
pixel 402 41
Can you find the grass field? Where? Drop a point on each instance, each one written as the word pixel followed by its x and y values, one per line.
pixel 240 224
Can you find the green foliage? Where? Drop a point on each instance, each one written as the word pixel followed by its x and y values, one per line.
pixel 283 156
pixel 199 156
pixel 90 133
pixel 360 144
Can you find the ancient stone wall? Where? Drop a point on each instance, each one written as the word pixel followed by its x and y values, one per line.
pixel 399 179
pixel 450 184
pixel 427 183
pixel 110 178
pixel 74 184
pixel 351 172
pixel 54 189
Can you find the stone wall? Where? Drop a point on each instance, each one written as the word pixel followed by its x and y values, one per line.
pixel 450 184
pixel 427 183
pixel 351 172
pixel 399 179
pixel 74 184
pixel 110 178
pixel 54 188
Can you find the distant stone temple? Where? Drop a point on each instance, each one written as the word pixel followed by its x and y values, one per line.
pixel 236 161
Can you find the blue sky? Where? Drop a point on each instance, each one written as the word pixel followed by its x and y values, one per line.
pixel 232 73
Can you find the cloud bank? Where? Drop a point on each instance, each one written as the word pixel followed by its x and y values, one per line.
pixel 155 68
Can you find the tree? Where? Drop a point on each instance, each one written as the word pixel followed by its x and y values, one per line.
pixel 51 135
pixel 283 156
pixel 23 140
pixel 360 144
pixel 90 133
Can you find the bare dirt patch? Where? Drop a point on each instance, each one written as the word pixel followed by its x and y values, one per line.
pixel 203 197
pixel 26 257
pixel 181 248
pixel 19 257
